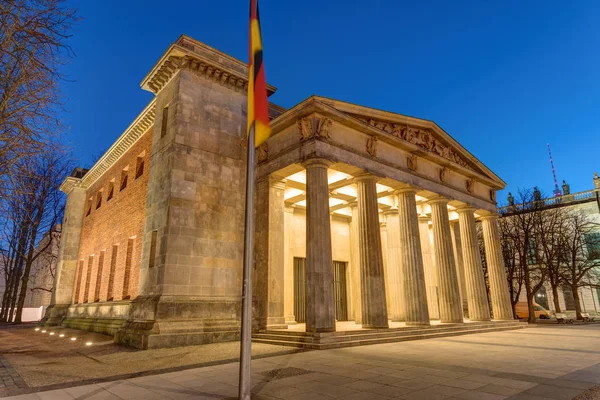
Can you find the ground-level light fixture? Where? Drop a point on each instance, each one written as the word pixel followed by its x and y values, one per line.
pixel 61 335
pixel 51 333
pixel 44 331
pixel 73 338
pixel 88 343
pixel 37 329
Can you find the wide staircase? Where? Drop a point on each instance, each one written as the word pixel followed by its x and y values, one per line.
pixel 362 337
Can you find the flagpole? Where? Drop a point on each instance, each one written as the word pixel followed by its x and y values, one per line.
pixel 246 336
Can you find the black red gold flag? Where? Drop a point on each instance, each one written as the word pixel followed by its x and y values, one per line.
pixel 258 105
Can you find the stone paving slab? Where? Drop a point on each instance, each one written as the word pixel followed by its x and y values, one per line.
pixel 517 365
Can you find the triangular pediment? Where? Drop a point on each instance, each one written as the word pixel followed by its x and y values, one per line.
pixel 425 135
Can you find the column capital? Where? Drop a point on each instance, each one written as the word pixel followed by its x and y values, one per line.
pixel 424 218
pixel 289 209
pixel 404 190
pixel 277 181
pixel 317 163
pixel 464 209
pixel 390 211
pixel 489 217
pixel 438 200
pixel 366 177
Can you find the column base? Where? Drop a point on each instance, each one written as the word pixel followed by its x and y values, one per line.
pixel 503 319
pixel 55 314
pixel 376 326
pixel 455 321
pixel 172 321
pixel 418 323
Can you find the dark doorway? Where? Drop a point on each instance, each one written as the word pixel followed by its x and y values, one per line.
pixel 339 290
pixel 300 289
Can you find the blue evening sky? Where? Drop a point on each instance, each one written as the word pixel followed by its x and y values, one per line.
pixel 502 77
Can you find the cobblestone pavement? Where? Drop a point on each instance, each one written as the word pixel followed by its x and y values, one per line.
pixel 540 363
pixel 9 377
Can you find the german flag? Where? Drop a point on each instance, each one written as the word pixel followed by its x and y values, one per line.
pixel 258 105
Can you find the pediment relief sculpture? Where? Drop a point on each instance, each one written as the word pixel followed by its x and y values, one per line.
pixel 493 195
pixel 304 128
pixel 323 127
pixel 420 137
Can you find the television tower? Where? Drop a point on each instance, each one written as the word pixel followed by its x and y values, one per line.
pixel 557 192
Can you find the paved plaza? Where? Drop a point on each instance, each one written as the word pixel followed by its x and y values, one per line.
pixel 542 362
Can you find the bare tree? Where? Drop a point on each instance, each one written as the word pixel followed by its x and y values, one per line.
pixel 33 35
pixel 580 248
pixel 550 225
pixel 35 208
pixel 520 232
pixel 514 272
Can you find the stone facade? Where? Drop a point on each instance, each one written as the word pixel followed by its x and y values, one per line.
pixel 355 219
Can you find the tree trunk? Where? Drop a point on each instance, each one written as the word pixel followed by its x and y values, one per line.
pixel 530 307
pixel 575 291
pixel 555 298
pixel 23 292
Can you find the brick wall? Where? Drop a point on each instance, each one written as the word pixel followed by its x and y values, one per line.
pixel 116 224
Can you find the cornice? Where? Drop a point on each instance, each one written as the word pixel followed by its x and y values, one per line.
pixel 131 135
pixel 68 184
pixel 202 60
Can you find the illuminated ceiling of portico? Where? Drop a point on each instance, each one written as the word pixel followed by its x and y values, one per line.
pixel 343 192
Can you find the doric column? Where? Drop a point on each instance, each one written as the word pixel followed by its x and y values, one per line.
pixel 449 292
pixel 374 310
pixel 320 307
pixel 394 282
pixel 429 268
pixel 479 309
pixel 269 257
pixel 384 255
pixel 356 285
pixel 458 258
pixel 411 261
pixel 68 253
pixel 501 306
pixel 288 267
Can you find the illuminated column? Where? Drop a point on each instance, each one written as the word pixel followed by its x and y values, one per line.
pixel 411 264
pixel 355 266
pixel 449 292
pixel 320 306
pixel 429 268
pixel 395 284
pixel 374 310
pixel 288 267
pixel 476 294
pixel 501 306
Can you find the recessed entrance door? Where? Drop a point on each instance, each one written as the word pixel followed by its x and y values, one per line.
pixel 339 290
pixel 300 289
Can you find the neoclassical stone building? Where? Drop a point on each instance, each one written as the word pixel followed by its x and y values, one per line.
pixel 361 215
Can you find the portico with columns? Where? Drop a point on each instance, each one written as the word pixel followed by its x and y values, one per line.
pixel 380 215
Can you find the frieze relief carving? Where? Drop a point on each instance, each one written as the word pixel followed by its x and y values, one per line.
pixel 372 146
pixel 305 128
pixel 324 124
pixel 470 183
pixel 314 127
pixel 262 152
pixel 420 137
pixel 444 175
pixel 411 162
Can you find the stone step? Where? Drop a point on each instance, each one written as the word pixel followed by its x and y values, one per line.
pixel 379 333
pixel 385 330
pixel 294 341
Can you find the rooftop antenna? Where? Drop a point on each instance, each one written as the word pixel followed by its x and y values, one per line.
pixel 557 192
